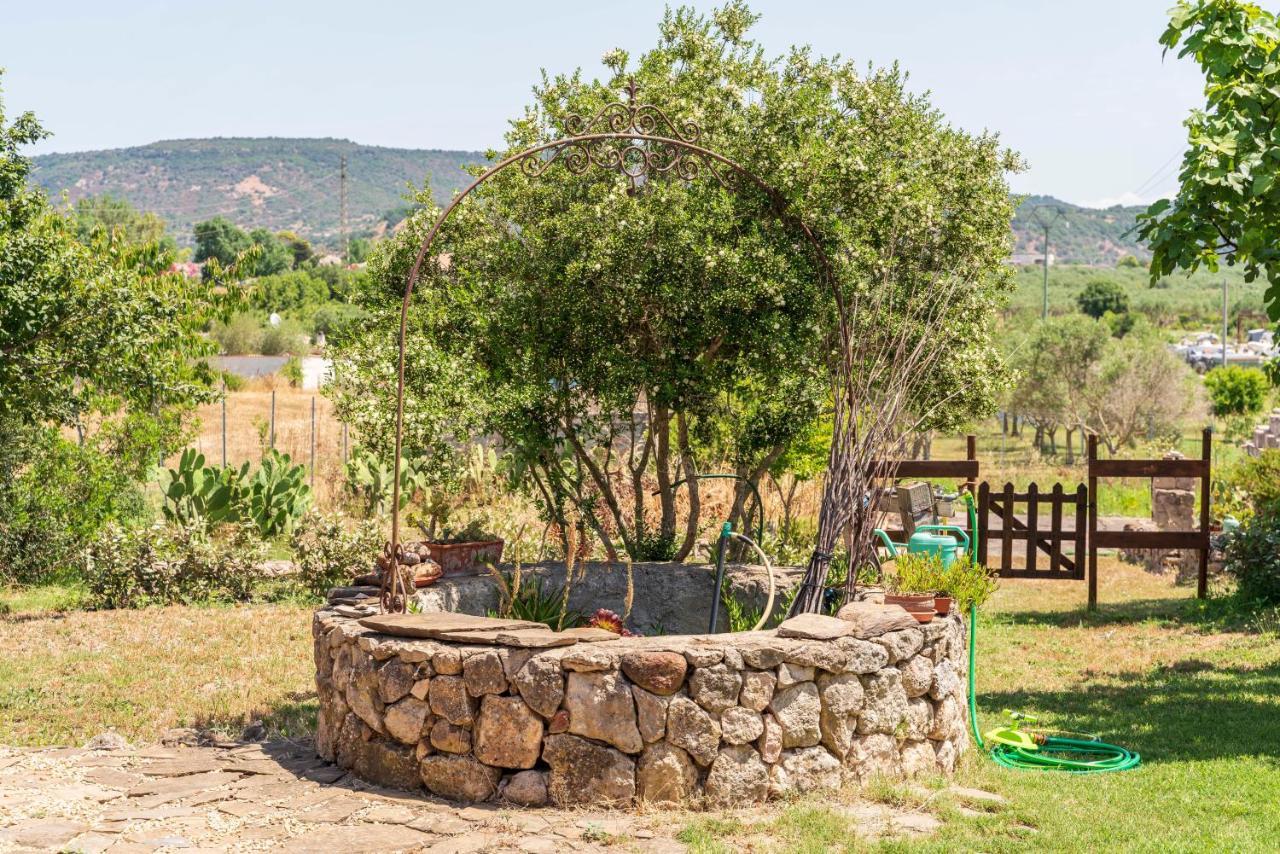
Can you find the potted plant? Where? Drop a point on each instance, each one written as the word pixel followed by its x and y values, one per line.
pixel 913 584
pixel 461 550
pixel 967 583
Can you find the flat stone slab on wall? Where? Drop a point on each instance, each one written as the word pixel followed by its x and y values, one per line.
pixel 669 597
pixel 716 720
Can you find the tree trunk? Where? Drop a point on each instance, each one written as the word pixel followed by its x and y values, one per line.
pixel 660 424
pixel 690 474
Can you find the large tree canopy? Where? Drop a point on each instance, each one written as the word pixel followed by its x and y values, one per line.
pixel 619 339
pixel 1228 203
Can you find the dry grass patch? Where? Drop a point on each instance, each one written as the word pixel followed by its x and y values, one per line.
pixel 66 677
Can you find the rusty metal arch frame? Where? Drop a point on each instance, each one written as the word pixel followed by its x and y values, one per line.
pixel 647 152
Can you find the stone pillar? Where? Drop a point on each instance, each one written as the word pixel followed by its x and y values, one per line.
pixel 1173 508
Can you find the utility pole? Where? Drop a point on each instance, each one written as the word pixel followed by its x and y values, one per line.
pixel 342 214
pixel 1046 223
pixel 1224 323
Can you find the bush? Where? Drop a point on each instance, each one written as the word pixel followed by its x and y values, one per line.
pixel 291 370
pixel 1235 390
pixel 1101 296
pixel 1251 486
pixel 162 565
pixel 55 495
pixel 286 337
pixel 1253 558
pixel 239 336
pixel 330 549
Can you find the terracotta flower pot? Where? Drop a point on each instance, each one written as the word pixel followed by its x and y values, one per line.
pixel 456 558
pixel 918 605
pixel 942 605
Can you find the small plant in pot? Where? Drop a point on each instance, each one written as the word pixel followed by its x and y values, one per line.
pixel 914 584
pixel 967 583
pixel 464 549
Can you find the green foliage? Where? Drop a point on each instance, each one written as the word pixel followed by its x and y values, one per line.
pixel 240 335
pixel 231 381
pixel 299 247
pixel 329 549
pixel 219 239
pixel 1081 235
pixel 98 216
pixel 292 291
pixel 1227 208
pixel 277 495
pixel 1253 558
pixel 1074 374
pixel 200 495
pixel 1236 390
pixel 370 481
pixel 160 565
pixel 291 371
pixel 966 581
pixel 285 337
pixel 274 255
pixel 1251 485
pixel 580 321
pixel 273 498
pixel 531 598
pixel 1102 296
pixel 55 494
pixel 82 322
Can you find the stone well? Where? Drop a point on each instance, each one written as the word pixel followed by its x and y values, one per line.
pixel 479 711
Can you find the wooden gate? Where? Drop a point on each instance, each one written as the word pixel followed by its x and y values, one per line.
pixel 1040 527
pixel 1178 468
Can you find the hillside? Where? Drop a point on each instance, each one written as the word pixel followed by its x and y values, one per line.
pixel 280 183
pixel 273 183
pixel 1093 236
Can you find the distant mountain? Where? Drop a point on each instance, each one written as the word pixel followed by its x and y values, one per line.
pixel 273 183
pixel 1093 236
pixel 280 183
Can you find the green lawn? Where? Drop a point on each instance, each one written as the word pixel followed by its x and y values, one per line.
pixel 1152 670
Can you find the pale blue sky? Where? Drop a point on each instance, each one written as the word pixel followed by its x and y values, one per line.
pixel 1079 88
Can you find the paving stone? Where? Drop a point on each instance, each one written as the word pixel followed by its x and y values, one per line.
pixel 43 833
pixel 358 838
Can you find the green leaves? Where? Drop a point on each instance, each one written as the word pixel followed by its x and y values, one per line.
pixel 1225 209
pixel 204 496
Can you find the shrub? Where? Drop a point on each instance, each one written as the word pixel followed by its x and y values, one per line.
pixel 285 337
pixel 161 565
pixel 1251 486
pixel 1253 558
pixel 240 335
pixel 55 495
pixel 230 381
pixel 1235 390
pixel 1101 296
pixel 329 549
pixel 291 370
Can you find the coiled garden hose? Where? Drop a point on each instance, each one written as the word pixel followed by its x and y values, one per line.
pixel 1050 752
pixel 773 584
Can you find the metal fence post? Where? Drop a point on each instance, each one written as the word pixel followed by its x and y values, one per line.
pixel 273 419
pixel 224 425
pixel 313 441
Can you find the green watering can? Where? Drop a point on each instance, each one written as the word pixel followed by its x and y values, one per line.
pixel 931 539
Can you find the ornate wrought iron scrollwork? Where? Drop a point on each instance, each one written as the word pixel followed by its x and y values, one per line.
pixel 638 141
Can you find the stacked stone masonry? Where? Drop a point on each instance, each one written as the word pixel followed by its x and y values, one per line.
pixel 710 720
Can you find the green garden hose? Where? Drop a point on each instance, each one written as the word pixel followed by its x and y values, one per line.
pixel 1049 752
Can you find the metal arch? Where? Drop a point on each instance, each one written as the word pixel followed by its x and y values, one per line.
pixel 680 154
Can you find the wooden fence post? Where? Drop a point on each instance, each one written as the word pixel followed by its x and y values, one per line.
pixel 1093 524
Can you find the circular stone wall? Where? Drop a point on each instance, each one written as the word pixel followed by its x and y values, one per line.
pixel 724 719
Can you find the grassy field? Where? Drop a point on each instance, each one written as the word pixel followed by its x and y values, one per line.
pixel 1153 669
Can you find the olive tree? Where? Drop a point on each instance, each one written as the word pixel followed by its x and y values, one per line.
pixel 620 337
